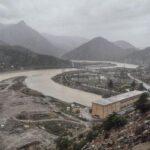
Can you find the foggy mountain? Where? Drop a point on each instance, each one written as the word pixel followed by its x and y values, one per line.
pixel 124 45
pixel 3 43
pixel 66 43
pixel 2 25
pixel 98 49
pixel 139 57
pixel 23 35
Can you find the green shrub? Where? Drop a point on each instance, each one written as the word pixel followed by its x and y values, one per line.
pixel 143 104
pixel 63 143
pixel 114 121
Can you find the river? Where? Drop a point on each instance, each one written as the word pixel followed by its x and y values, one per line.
pixel 41 81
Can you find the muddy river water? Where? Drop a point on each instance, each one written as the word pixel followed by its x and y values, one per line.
pixel 41 81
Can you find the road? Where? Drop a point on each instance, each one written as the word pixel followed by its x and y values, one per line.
pixel 146 86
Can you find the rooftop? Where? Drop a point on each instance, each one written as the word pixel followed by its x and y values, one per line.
pixel 117 98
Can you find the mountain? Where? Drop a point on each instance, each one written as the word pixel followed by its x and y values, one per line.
pixel 124 45
pixel 23 35
pixel 66 43
pixel 2 25
pixel 16 57
pixel 98 49
pixel 3 43
pixel 139 57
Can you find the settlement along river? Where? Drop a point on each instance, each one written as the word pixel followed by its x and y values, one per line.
pixel 41 80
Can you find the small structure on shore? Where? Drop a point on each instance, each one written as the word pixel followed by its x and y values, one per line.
pixel 105 106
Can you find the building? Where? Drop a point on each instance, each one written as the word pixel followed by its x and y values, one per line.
pixel 105 106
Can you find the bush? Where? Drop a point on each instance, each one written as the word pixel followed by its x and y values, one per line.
pixel 80 145
pixel 91 135
pixel 63 143
pixel 114 121
pixel 143 104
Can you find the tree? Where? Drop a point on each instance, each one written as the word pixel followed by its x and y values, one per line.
pixel 114 121
pixel 133 84
pixel 143 104
pixel 141 87
pixel 63 143
pixel 91 135
pixel 79 145
pixel 110 84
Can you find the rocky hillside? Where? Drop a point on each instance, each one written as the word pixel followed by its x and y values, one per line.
pixel 16 57
pixel 130 137
pixel 98 49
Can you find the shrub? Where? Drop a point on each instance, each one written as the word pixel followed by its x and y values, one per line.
pixel 114 121
pixel 80 145
pixel 143 104
pixel 63 143
pixel 91 135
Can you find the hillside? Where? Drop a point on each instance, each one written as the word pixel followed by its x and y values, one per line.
pixel 23 35
pixel 139 57
pixel 66 43
pixel 98 49
pixel 16 57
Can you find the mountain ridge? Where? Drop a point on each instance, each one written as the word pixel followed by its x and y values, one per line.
pixel 66 43
pixel 23 35
pixel 98 48
pixel 139 57
pixel 124 44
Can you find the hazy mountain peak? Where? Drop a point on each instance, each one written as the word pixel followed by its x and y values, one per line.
pixel 97 39
pixel 98 48
pixel 23 35
pixel 66 43
pixel 22 22
pixel 124 44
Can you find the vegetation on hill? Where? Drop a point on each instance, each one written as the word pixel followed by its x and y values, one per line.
pixel 114 121
pixel 16 57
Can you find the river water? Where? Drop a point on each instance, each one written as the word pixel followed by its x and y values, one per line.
pixel 41 81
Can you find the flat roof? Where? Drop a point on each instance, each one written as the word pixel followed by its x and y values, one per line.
pixel 117 98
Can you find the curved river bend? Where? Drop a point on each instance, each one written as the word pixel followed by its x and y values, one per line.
pixel 41 81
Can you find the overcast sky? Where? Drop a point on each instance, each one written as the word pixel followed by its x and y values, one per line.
pixel 113 19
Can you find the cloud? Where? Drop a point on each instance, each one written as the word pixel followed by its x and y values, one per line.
pixel 112 19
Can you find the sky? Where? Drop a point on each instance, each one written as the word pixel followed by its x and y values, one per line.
pixel 112 19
